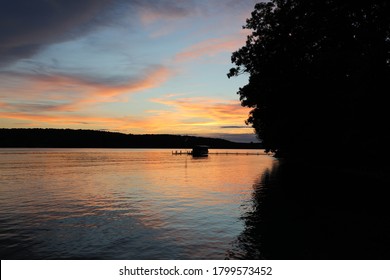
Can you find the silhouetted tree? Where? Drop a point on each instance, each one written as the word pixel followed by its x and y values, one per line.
pixel 318 75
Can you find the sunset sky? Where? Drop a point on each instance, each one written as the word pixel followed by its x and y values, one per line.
pixel 133 66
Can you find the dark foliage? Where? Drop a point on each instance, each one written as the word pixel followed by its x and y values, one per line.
pixel 68 138
pixel 319 75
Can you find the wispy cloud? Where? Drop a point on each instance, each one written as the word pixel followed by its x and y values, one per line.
pixel 211 47
pixel 61 120
pixel 81 63
pixel 153 11
pixel 45 92
pixel 181 115
pixel 56 99
pixel 222 110
pixel 27 26
pixel 200 114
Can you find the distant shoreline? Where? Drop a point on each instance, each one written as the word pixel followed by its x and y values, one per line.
pixel 71 138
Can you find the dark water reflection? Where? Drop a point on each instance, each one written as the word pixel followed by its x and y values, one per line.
pixel 316 212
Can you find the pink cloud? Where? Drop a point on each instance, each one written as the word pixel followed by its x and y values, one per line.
pixel 60 100
pixel 152 79
pixel 166 10
pixel 183 115
pixel 212 47
pixel 200 114
pixel 61 120
pixel 65 92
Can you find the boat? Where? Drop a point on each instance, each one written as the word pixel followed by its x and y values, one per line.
pixel 200 151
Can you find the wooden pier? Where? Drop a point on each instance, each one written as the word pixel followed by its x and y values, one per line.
pixel 179 152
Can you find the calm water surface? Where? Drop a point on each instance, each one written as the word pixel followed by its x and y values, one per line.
pixel 124 203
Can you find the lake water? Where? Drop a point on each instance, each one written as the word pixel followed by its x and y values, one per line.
pixel 127 204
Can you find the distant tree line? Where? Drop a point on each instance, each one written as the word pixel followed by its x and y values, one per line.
pixel 319 74
pixel 69 138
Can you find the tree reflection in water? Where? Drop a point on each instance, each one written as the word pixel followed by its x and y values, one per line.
pixel 303 211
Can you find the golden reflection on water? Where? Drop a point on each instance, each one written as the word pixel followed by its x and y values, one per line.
pixel 155 204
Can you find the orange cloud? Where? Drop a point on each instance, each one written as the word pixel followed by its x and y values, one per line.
pixel 60 120
pixel 152 79
pixel 65 92
pixel 182 116
pixel 65 100
pixel 55 118
pixel 211 47
pixel 200 115
pixel 208 108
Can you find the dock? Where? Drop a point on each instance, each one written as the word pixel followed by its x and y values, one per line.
pixel 179 152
